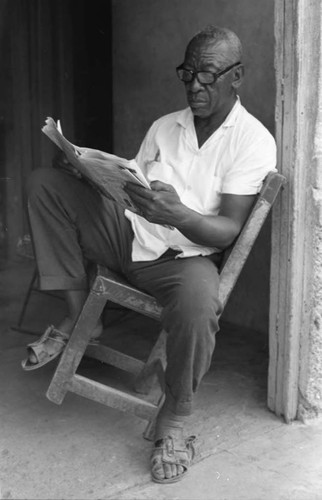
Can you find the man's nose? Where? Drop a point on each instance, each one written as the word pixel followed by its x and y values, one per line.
pixel 195 85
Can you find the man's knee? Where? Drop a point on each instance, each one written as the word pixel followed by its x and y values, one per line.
pixel 197 295
pixel 46 181
pixel 38 179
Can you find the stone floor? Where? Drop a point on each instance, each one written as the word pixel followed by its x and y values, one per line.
pixel 83 450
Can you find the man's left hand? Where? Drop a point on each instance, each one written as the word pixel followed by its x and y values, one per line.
pixel 160 204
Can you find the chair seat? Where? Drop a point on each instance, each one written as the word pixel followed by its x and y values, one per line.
pixel 118 290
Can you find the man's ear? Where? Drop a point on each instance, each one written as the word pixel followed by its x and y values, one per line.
pixel 238 76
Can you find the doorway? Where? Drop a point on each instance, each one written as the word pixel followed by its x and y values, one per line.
pixel 57 61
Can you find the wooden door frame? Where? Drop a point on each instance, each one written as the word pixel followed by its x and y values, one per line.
pixel 297 62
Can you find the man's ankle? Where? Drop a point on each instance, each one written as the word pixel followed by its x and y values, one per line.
pixel 169 423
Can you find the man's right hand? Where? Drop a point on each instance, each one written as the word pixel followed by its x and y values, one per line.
pixel 60 161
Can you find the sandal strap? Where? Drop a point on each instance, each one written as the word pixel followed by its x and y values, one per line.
pixel 167 453
pixel 57 335
pixel 50 333
pixel 38 348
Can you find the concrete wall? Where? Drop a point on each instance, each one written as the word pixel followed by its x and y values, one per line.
pixel 310 380
pixel 149 39
pixel 310 376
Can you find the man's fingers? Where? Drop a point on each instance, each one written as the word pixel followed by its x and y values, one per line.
pixel 140 202
pixel 148 193
pixel 141 191
pixel 161 186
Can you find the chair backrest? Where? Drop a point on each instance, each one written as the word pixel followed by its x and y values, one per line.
pixel 236 255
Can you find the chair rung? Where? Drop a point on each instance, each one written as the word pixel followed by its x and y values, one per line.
pixel 111 397
pixel 115 358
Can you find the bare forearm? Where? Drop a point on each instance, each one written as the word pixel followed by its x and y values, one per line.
pixel 207 230
pixel 162 205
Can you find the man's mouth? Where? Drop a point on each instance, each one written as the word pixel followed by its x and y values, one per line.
pixel 196 100
pixel 196 103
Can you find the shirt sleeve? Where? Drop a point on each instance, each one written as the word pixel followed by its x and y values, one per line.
pixel 251 165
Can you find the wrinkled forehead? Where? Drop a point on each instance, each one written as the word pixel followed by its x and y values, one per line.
pixel 208 53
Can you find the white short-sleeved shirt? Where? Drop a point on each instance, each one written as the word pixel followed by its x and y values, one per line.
pixel 235 159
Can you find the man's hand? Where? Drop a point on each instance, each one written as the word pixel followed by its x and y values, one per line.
pixel 60 161
pixel 160 204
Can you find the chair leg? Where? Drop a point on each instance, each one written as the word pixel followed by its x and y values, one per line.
pixel 146 380
pixel 153 368
pixel 76 346
pixel 149 431
pixel 31 288
pixel 26 300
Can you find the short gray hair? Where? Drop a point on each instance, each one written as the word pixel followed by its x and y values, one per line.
pixel 218 34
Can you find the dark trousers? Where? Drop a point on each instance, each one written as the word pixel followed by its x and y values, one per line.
pixel 72 225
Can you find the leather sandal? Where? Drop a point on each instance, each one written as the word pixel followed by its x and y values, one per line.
pixel 40 350
pixel 165 452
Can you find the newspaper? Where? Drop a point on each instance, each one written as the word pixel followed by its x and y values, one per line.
pixel 106 172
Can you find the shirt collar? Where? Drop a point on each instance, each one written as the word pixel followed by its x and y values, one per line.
pixel 232 117
pixel 185 118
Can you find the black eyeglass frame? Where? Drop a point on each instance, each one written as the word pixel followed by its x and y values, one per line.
pixel 194 74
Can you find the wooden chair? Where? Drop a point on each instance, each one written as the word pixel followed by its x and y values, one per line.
pixel 109 287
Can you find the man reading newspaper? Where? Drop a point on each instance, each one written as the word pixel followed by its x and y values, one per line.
pixel 205 165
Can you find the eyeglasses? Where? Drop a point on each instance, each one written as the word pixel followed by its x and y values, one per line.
pixel 203 77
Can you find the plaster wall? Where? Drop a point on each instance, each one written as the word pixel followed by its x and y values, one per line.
pixel 310 403
pixel 310 382
pixel 149 39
